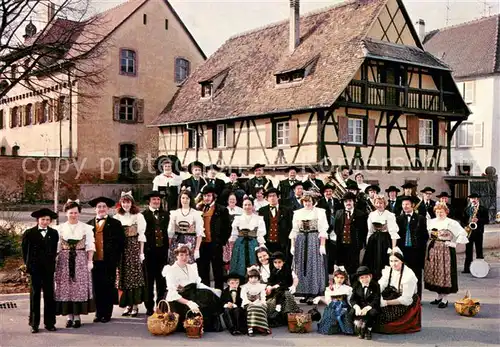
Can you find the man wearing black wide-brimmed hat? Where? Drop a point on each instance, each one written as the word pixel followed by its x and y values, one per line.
pixel 478 214
pixel 196 182
pixel 392 195
pixel 426 207
pixel 285 186
pixel 39 246
pixel 214 182
pixel 312 182
pixel 109 243
pixel 169 181
pixel 258 181
pixel 155 249
pixel 233 186
pixel 408 190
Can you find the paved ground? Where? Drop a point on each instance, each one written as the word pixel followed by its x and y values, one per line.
pixel 441 327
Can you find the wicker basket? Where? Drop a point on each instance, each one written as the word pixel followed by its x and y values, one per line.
pixel 467 306
pixel 299 323
pixel 193 324
pixel 162 322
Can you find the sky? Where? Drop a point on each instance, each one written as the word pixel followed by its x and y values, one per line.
pixel 212 22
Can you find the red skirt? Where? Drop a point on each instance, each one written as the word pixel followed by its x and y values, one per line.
pixel 410 322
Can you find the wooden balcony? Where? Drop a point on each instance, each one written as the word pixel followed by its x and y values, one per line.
pixel 389 96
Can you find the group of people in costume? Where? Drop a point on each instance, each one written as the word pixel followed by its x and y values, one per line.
pixel 366 256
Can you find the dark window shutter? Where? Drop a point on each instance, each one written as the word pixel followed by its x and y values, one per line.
pixel 139 110
pixel 343 129
pixel 412 130
pixel 116 108
pixel 50 110
pixel 269 135
pixel 177 70
pixel 370 139
pixel 38 114
pixel 230 136
pixel 294 132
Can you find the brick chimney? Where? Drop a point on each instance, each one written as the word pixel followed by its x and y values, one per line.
pixel 420 26
pixel 294 24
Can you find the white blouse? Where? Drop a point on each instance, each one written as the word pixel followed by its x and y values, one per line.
pixel 383 218
pixel 343 289
pixel 127 219
pixel 315 213
pixel 265 272
pixel 253 289
pixel 180 277
pixel 193 217
pixel 76 231
pixel 249 222
pixel 459 234
pixel 408 283
pixel 236 210
pixel 257 205
pixel 163 181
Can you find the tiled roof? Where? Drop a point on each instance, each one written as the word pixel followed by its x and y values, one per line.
pixel 332 36
pixel 470 49
pixel 401 53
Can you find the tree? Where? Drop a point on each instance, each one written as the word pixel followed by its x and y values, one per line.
pixel 69 44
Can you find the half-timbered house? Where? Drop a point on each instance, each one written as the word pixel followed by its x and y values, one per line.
pixel 350 84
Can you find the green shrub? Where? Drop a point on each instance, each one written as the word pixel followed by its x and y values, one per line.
pixel 10 244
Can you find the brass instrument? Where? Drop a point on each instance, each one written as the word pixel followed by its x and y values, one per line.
pixel 339 184
pixel 267 183
pixel 199 198
pixel 415 209
pixel 472 225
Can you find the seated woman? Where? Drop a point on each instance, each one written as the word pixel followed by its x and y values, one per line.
pixel 263 262
pixel 337 295
pixel 400 310
pixel 248 233
pixel 279 300
pixel 253 296
pixel 186 292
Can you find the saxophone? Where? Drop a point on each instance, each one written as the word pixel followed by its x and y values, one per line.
pixel 472 226
pixel 199 198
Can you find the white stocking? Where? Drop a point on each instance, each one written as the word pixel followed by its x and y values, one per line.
pixel 77 317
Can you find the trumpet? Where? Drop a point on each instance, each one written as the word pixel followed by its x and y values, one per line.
pixel 472 225
pixel 339 184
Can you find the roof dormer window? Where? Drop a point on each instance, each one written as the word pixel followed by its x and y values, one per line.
pixel 206 89
pixel 211 86
pixel 289 77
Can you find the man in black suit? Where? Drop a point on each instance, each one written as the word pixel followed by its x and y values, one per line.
pixel 285 186
pixel 215 182
pixel 109 243
pixel 217 232
pixel 39 246
pixel 331 205
pixel 258 181
pixel 312 182
pixel 481 218
pixel 408 190
pixel 392 195
pixel 413 236
pixel 365 302
pixel 233 186
pixel 350 231
pixel 426 207
pixel 156 249
pixel 196 182
pixel 278 220
pixel 298 193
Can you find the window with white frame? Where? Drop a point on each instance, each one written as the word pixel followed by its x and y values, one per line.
pixel 220 135
pixel 425 132
pixel 127 62
pixel 469 90
pixel 355 131
pixel 478 134
pixel 465 135
pixel 283 133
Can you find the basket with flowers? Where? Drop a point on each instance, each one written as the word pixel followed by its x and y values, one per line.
pixel 193 324
pixel 299 323
pixel 163 322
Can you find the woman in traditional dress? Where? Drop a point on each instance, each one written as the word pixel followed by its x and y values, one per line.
pixel 131 276
pixel 186 227
pixel 253 295
pixel 440 270
pixel 337 295
pixel 187 292
pixel 400 309
pixel 259 199
pixel 248 232
pixel 73 294
pixel 308 236
pixel 234 211
pixel 382 236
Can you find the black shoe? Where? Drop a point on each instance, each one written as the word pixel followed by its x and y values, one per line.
pixel 34 330
pixel 436 301
pixel 368 335
pixel 443 304
pixel 303 300
pixel 310 301
pixel 134 313
pixel 97 319
pixel 69 323
pixel 105 320
pixel 149 312
pixel 250 333
pixel 52 328
pixel 77 324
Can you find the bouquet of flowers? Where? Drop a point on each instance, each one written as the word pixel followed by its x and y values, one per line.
pixel 193 324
